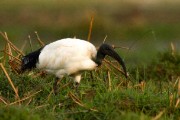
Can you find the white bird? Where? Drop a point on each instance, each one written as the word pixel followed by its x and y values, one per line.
pixel 69 57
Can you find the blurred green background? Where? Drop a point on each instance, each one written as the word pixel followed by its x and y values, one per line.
pixel 147 27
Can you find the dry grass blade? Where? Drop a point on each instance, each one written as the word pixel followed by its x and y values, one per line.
pixel 172 49
pixel 119 84
pixel 8 47
pixel 4 57
pixel 178 100
pixel 179 86
pixel 39 74
pixel 9 51
pixel 75 112
pixel 105 39
pixel 54 107
pixel 30 42
pixel 171 97
pixel 114 66
pixel 23 45
pixel 77 101
pixel 141 85
pixel 15 66
pixel 48 98
pixel 177 103
pixel 39 40
pixel 109 81
pixel 175 83
pixel 159 115
pixel 10 81
pixel 14 62
pixel 11 56
pixel 90 29
pixel 1 98
pixel 12 45
pixel 110 69
pixel 29 102
pixel 127 48
pixel 25 98
pixel 66 85
pixel 41 106
pixel 1 58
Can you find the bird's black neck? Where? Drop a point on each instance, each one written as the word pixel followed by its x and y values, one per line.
pixel 100 56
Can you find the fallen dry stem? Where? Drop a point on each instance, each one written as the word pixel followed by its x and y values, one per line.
pixel 114 66
pixel 176 82
pixel 14 62
pixel 3 100
pixel 179 86
pixel 4 59
pixel 109 81
pixel 141 85
pixel 75 98
pixel 127 48
pixel 10 81
pixel 23 45
pixel 15 66
pixel 25 98
pixel 172 49
pixel 119 84
pixel 11 56
pixel 50 94
pixel 30 42
pixel 67 84
pixel 158 116
pixel 39 40
pixel 29 102
pixel 9 51
pixel 77 101
pixel 12 45
pixel 90 29
pixel 108 67
pixel 178 93
pixel 105 39
pixel 177 103
pixel 75 112
pixel 41 106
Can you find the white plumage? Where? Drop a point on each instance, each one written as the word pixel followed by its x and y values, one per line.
pixel 67 57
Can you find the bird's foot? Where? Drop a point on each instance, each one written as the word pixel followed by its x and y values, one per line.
pixel 55 86
pixel 76 86
pixel 55 89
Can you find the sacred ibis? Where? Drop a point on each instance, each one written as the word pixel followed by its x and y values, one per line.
pixel 70 57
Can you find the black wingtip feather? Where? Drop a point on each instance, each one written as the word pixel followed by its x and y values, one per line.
pixel 29 61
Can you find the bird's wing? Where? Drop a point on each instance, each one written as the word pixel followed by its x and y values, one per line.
pixel 62 53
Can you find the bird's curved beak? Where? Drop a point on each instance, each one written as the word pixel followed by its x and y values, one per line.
pixel 115 55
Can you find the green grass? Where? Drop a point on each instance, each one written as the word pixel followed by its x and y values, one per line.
pixel 126 100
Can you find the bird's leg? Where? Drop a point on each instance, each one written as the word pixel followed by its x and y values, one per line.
pixel 77 80
pixel 76 86
pixel 55 85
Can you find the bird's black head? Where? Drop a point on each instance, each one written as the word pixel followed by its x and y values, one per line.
pixel 106 49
